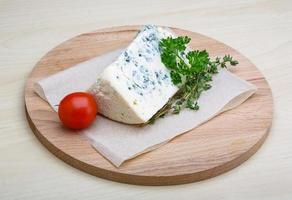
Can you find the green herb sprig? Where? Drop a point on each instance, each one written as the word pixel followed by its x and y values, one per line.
pixel 191 71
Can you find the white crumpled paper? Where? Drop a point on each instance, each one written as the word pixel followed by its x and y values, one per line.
pixel 119 142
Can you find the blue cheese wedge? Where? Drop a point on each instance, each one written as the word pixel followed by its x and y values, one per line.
pixel 136 85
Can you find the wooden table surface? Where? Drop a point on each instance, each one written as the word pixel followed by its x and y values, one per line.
pixel 260 29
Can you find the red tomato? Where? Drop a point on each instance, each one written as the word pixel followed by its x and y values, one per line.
pixel 77 110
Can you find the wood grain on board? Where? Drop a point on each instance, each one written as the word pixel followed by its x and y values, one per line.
pixel 209 150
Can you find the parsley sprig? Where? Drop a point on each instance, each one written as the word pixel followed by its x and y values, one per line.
pixel 191 71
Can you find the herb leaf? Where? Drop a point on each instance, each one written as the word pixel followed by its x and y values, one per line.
pixel 191 71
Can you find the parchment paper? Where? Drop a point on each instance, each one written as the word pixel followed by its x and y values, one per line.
pixel 119 142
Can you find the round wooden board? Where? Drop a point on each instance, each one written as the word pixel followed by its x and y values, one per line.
pixel 211 149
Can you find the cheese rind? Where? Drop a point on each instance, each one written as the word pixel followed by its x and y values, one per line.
pixel 136 85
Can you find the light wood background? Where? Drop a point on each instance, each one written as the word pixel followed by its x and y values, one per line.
pixel 260 29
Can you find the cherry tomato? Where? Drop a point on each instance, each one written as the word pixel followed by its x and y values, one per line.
pixel 77 110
